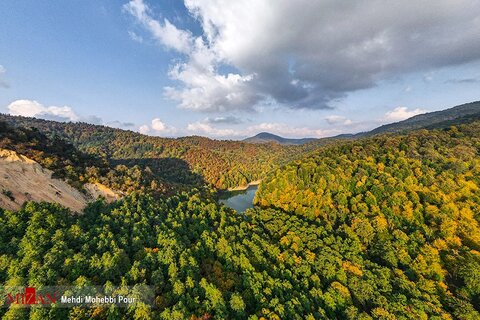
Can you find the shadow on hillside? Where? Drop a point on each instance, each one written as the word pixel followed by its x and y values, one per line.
pixel 171 170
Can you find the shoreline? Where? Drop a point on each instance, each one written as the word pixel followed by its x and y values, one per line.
pixel 243 188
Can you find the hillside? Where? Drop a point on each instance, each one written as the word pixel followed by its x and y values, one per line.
pixel 400 214
pixel 439 119
pixel 265 137
pixel 465 113
pixel 22 179
pixel 78 168
pixel 188 160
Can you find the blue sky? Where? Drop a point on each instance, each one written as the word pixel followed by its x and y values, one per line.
pixel 231 70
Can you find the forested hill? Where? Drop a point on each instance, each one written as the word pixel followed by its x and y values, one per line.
pixel 223 164
pixel 464 113
pixel 52 153
pixel 78 168
pixel 399 219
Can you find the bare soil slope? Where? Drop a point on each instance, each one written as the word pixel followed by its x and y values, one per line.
pixel 23 179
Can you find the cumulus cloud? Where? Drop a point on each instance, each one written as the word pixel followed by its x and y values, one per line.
pixel 165 32
pixel 201 87
pixel 402 113
pixel 304 54
pixel 3 82
pixel 32 108
pixel 202 128
pixel 144 129
pixel 157 127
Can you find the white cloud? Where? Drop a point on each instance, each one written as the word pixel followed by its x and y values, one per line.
pixel 166 33
pixel 335 119
pixel 208 91
pixel 144 129
pixel 157 127
pixel 306 53
pixel 202 128
pixel 32 108
pixel 3 82
pixel 402 113
pixel 202 88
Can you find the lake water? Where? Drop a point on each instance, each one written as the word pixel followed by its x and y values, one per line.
pixel 241 200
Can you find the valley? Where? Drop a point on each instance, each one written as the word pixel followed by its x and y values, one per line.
pixel 382 226
pixel 375 226
pixel 239 160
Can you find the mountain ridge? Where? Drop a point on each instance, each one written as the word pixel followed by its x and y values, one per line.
pixel 466 112
pixel 435 119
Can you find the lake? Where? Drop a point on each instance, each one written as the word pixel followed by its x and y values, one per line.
pixel 240 200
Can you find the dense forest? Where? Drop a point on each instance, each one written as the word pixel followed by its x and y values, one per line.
pixel 385 227
pixel 222 164
pixel 403 211
pixel 154 176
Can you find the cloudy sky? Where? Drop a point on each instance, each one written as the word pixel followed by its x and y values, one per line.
pixel 231 69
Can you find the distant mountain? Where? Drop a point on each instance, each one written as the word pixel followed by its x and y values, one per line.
pixel 265 137
pixel 461 114
pixel 464 113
